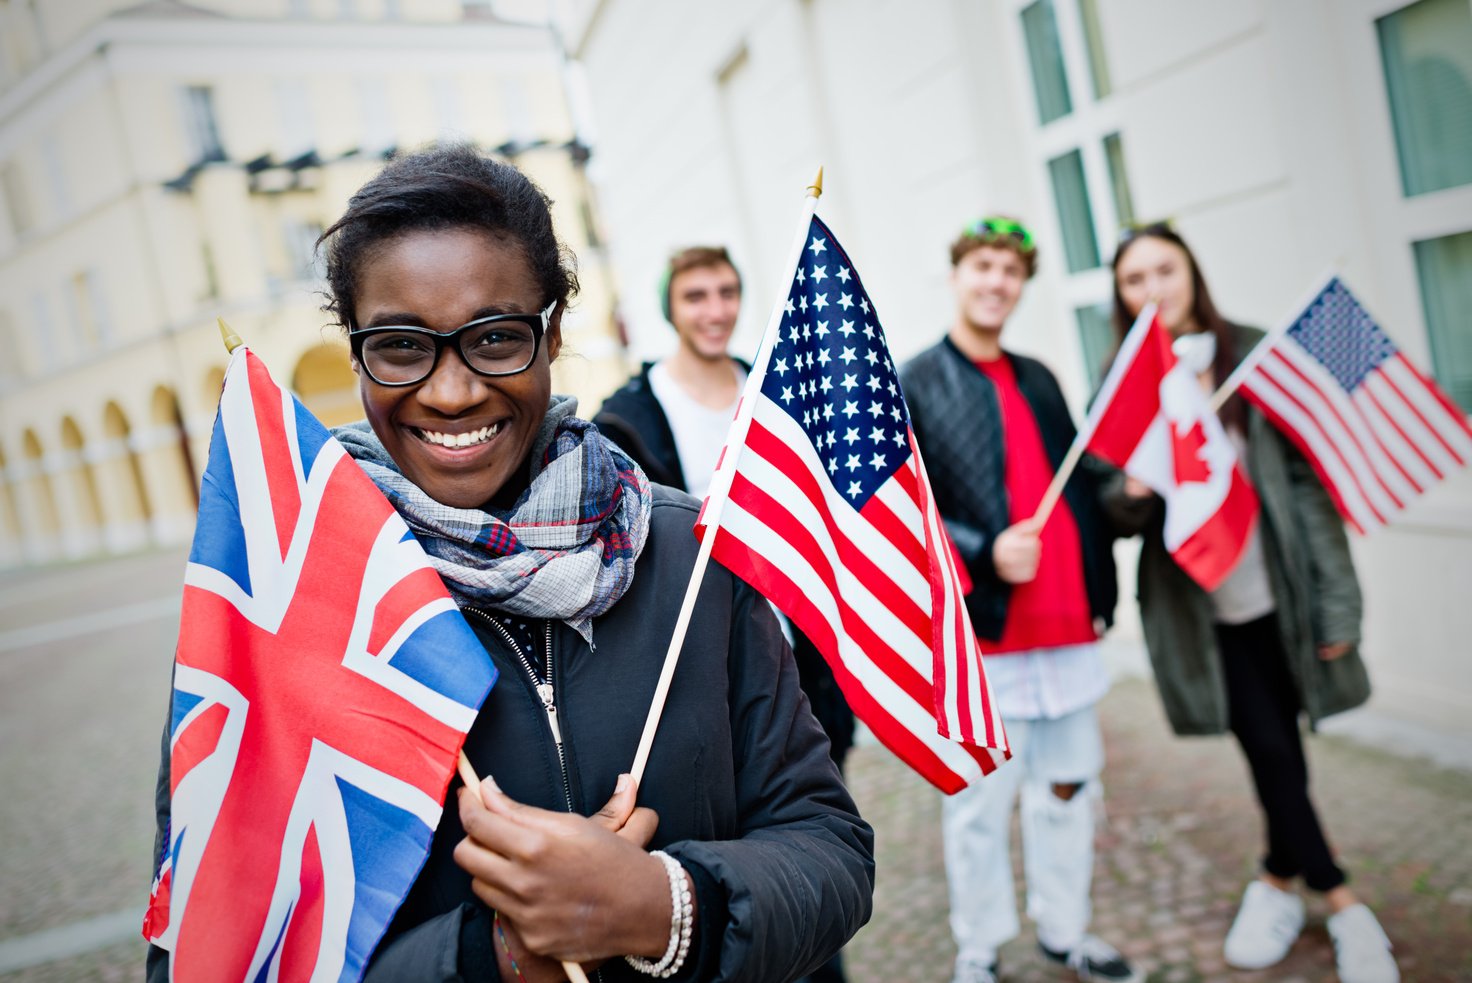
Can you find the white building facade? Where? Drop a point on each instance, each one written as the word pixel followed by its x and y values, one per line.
pixel 1282 139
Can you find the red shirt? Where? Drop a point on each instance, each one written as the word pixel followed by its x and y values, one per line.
pixel 1053 608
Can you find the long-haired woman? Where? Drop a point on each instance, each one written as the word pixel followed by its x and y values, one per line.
pixel 1275 642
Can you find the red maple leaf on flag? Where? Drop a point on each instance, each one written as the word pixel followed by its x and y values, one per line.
pixel 1186 448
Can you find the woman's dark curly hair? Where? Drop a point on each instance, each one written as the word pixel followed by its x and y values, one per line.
pixel 447 187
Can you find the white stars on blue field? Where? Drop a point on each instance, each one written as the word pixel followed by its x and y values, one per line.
pixel 819 371
pixel 1340 333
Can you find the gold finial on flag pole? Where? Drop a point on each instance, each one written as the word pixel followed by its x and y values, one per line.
pixel 816 188
pixel 228 336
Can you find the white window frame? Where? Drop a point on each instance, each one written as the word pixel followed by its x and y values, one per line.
pixel 1395 220
pixel 1083 130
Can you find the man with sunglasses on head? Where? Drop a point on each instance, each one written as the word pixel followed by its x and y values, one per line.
pixel 993 428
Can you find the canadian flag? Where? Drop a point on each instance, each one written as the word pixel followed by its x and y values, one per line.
pixel 1153 419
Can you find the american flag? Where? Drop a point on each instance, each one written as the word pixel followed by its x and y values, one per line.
pixel 830 516
pixel 1377 431
pixel 323 685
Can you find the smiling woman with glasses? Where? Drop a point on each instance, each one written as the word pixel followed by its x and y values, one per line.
pixel 740 856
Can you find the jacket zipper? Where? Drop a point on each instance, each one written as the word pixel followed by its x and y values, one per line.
pixel 547 694
pixel 545 689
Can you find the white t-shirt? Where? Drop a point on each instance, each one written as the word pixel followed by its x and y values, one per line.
pixel 700 432
pixel 1247 593
pixel 1046 683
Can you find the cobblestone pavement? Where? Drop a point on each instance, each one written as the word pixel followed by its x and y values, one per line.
pixel 1179 841
pixel 80 718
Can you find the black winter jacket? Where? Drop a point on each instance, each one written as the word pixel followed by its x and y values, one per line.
pixel 747 797
pixel 957 420
pixel 634 420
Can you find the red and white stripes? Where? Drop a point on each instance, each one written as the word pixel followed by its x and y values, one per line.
pixel 875 590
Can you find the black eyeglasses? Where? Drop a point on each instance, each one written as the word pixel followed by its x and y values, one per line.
pixel 402 355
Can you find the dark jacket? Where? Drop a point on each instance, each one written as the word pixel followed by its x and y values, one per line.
pixel 957 420
pixel 1309 569
pixel 747 797
pixel 634 420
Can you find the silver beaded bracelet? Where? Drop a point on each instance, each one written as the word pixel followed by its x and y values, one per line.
pixel 682 923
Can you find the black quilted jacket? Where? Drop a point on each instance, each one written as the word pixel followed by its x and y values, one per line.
pixel 958 424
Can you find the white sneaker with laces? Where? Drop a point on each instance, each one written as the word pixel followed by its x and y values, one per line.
pixel 1265 927
pixel 1361 950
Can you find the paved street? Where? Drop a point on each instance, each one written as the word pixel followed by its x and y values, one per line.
pixel 84 663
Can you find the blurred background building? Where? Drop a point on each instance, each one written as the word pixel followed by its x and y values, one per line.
pixel 165 163
pixel 1283 139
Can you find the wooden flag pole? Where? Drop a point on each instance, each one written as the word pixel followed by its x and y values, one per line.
pixel 574 971
pixel 1055 487
pixel 467 772
pixel 721 485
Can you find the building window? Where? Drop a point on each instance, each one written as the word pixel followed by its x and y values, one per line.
pixel 1075 217
pixel 1045 55
pixel 373 108
pixel 294 113
pixel 520 125
pixel 89 310
pixel 1096 340
pixel 43 329
pixel 17 202
pixel 1088 15
pixel 211 273
pixel 1444 267
pixel 61 199
pixel 199 124
pixel 1427 53
pixel 301 249
pixel 448 110
pixel 13 366
pixel 1119 181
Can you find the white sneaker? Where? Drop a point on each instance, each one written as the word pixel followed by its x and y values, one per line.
pixel 1265 927
pixel 1361 950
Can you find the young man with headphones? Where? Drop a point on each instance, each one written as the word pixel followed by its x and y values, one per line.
pixel 673 416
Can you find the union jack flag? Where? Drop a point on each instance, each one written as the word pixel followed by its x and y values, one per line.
pixel 1377 432
pixel 323 685
pixel 830 516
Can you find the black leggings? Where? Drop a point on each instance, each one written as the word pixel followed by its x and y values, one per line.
pixel 1263 710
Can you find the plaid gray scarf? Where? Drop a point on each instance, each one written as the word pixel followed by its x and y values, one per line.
pixel 565 550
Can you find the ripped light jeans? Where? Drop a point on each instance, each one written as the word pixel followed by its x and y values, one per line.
pixel 1057 838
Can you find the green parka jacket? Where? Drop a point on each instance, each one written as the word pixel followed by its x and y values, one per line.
pixel 1312 577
